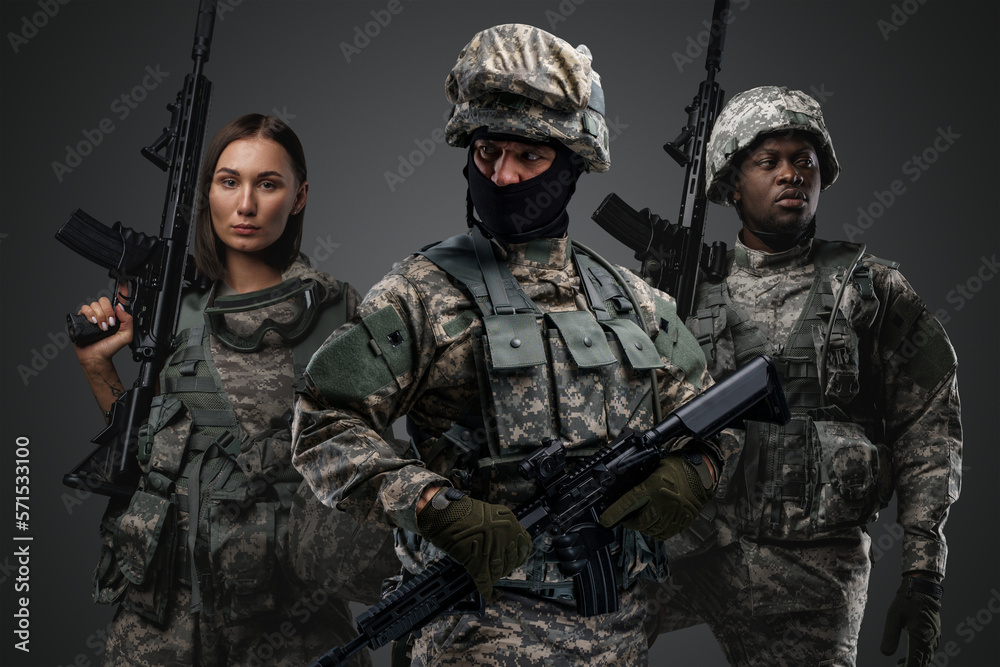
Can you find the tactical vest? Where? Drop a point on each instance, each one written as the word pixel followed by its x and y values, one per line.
pixel 821 473
pixel 195 519
pixel 571 376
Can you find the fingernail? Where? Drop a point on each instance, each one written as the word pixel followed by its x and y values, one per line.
pixel 104 326
pixel 111 320
pixel 94 320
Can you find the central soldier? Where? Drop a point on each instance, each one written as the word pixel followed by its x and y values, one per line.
pixel 492 341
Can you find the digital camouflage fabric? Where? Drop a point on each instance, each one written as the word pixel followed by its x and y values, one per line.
pixel 789 552
pixel 416 348
pixel 518 79
pixel 227 511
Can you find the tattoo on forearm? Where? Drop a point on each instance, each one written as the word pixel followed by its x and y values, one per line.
pixel 116 390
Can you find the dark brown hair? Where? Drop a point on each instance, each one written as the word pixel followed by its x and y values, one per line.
pixel 209 252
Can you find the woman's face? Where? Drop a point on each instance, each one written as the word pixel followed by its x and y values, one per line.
pixel 253 192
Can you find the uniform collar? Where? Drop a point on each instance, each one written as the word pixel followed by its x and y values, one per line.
pixel 545 253
pixel 760 263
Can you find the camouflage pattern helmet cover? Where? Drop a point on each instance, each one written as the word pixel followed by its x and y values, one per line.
pixel 518 79
pixel 756 112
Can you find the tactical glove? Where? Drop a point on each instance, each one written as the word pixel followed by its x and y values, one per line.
pixel 485 538
pixel 916 607
pixel 666 503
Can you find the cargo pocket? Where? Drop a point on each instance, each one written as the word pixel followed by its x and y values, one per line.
pixel 329 550
pixel 848 493
pixel 163 410
pixel 519 383
pixel 243 558
pixel 109 582
pixel 580 392
pixel 144 546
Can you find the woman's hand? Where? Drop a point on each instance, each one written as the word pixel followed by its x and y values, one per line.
pixel 103 315
pixel 96 358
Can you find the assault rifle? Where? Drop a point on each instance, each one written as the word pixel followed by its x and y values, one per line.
pixel 155 268
pixel 671 253
pixel 571 501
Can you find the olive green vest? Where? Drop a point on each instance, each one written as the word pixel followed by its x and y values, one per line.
pixel 192 437
pixel 574 376
pixel 820 473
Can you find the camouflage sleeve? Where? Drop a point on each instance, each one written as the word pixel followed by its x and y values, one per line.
pixel 360 381
pixel 922 415
pixel 353 298
pixel 686 372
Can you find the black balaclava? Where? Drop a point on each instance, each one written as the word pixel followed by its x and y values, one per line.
pixel 532 209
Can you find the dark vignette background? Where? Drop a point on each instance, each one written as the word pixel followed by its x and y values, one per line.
pixel 893 77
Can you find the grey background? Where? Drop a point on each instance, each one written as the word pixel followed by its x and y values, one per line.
pixel 886 93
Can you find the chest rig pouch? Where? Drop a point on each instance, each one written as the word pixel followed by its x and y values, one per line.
pixel 827 469
pixel 198 518
pixel 572 376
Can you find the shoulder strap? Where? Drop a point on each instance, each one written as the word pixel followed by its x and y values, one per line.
pixel 509 316
pixel 330 317
pixel 470 260
pixel 193 306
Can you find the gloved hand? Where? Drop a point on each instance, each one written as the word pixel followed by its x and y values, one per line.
pixel 485 538
pixel 916 607
pixel 664 504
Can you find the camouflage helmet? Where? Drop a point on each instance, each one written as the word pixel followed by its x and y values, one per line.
pixel 518 79
pixel 760 111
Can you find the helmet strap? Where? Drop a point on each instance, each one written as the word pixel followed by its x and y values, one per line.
pixel 779 241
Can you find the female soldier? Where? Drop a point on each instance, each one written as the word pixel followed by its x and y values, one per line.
pixel 216 558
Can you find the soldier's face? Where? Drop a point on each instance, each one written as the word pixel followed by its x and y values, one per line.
pixel 778 184
pixel 509 162
pixel 253 192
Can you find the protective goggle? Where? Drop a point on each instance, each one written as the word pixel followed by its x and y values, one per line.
pixel 288 309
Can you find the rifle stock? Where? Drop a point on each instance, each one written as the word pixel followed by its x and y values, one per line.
pixel 568 500
pixel 156 270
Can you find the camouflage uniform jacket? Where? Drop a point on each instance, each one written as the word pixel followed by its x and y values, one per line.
pixel 258 390
pixel 907 378
pixel 430 374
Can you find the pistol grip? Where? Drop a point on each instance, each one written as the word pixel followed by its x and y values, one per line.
pixel 83 332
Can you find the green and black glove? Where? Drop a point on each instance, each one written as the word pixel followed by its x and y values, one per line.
pixel 916 607
pixel 668 501
pixel 485 538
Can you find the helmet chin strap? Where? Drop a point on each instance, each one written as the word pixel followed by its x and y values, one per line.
pixel 782 241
